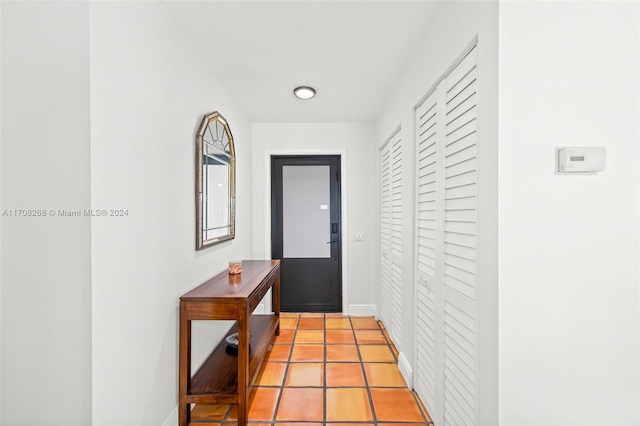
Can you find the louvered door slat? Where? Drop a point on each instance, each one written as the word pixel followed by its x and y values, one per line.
pixel 426 194
pixel 457 145
pixel 464 253
pixel 468 216
pixel 466 203
pixel 460 228
pixel 427 233
pixel 461 155
pixel 427 165
pixel 467 178
pixel 427 135
pixel 458 271
pixel 461 245
pixel 461 191
pixel 461 168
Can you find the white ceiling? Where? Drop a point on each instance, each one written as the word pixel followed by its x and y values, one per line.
pixel 350 51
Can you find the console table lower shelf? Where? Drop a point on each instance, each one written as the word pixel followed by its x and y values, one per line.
pixel 216 382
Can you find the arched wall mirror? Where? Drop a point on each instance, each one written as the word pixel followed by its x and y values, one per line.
pixel 215 182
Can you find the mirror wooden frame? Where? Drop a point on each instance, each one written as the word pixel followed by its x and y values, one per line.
pixel 208 121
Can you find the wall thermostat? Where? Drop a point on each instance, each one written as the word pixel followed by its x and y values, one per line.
pixel 585 160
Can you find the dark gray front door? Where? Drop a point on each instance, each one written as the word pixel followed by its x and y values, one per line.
pixel 306 230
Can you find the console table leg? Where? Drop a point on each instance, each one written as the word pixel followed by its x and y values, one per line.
pixel 275 301
pixel 184 361
pixel 184 414
pixel 243 366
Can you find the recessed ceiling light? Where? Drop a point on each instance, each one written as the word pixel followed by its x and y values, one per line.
pixel 304 92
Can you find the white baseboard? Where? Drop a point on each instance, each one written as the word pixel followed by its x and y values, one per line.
pixel 172 420
pixel 405 369
pixel 362 310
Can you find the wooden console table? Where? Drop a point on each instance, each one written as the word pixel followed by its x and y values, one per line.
pixel 227 378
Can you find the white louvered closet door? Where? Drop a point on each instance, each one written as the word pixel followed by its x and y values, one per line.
pixel 384 296
pixel 426 219
pixel 460 230
pixel 446 314
pixel 390 296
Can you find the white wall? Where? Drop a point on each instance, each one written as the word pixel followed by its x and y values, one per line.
pixel 46 318
pixel 149 91
pixel 452 30
pixel 355 142
pixel 568 244
pixel 0 219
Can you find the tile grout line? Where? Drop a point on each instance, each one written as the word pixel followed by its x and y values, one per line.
pixel 227 414
pixel 374 416
pixel 413 393
pixel 420 407
pixel 286 371
pixel 324 371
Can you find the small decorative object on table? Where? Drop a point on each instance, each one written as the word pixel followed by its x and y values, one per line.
pixel 232 343
pixel 235 267
pixel 232 340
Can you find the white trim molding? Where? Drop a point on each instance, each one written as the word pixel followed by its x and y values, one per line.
pixel 172 420
pixel 362 310
pixel 405 369
pixel 344 173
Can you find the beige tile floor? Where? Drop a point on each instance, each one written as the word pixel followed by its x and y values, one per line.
pixel 326 369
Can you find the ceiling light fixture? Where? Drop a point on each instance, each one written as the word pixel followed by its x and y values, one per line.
pixel 304 92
